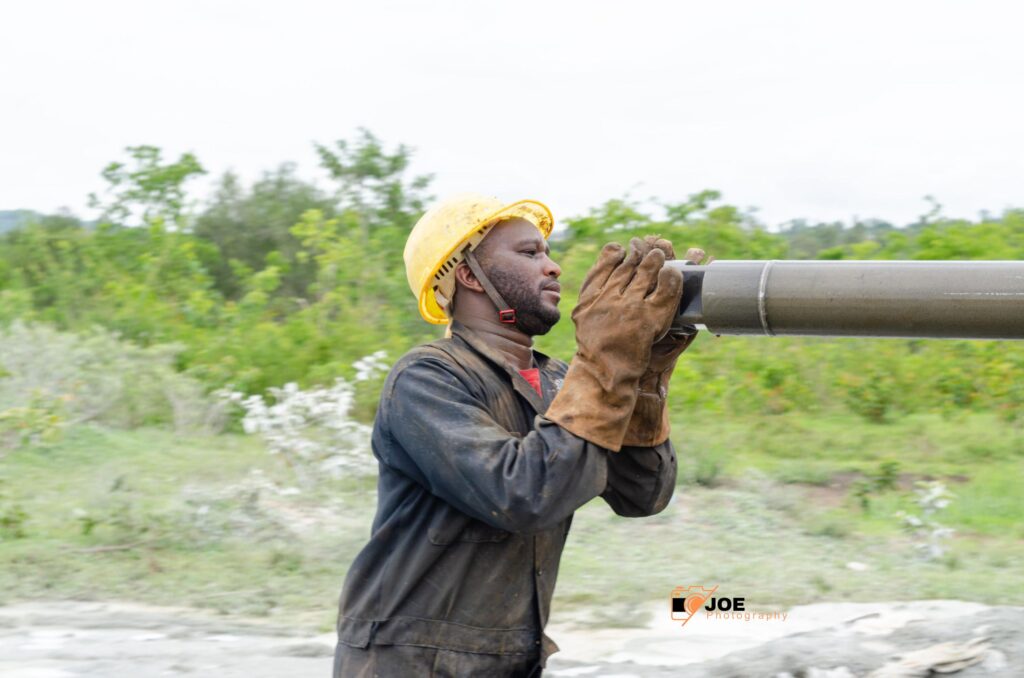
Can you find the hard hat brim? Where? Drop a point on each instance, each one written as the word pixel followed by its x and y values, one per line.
pixel 533 211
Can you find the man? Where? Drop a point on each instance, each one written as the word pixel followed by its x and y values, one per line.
pixel 487 447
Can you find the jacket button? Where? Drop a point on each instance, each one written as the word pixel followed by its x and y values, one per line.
pixel 540 573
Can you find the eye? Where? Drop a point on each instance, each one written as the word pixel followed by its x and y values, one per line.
pixel 530 252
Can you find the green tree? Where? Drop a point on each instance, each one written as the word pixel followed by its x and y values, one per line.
pixel 246 226
pixel 378 204
pixel 147 188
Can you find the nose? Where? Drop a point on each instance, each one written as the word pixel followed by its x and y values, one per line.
pixel 551 269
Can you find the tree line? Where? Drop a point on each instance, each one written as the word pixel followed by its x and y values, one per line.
pixel 285 279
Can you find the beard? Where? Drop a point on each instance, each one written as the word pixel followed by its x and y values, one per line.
pixel 533 317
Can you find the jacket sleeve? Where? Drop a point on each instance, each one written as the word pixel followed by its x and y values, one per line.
pixel 448 442
pixel 641 480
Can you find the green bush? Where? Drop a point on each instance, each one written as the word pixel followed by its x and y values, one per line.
pixel 52 379
pixel 282 281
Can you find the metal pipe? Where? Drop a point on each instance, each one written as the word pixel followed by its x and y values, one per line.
pixel 913 299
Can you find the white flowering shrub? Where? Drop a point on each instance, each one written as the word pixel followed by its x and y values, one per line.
pixel 313 430
pixel 928 534
pixel 94 377
pixel 370 366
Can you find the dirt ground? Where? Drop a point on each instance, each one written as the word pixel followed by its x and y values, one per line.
pixel 827 640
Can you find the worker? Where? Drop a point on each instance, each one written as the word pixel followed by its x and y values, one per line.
pixel 486 446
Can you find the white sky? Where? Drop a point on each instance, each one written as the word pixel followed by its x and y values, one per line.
pixel 816 109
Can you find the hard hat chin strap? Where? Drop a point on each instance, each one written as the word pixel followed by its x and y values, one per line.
pixel 506 314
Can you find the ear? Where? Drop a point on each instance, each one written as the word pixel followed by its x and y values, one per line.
pixel 464 277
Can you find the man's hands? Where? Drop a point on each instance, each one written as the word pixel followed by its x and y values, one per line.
pixel 634 291
pixel 627 301
pixel 614 392
pixel 649 424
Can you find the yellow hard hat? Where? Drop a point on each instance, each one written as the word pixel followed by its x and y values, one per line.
pixel 438 239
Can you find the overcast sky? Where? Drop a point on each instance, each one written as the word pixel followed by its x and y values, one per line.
pixel 815 109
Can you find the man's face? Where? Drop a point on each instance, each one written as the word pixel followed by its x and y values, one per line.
pixel 515 256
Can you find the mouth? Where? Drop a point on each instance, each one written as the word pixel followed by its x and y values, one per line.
pixel 553 288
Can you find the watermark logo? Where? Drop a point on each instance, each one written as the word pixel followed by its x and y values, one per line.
pixel 689 601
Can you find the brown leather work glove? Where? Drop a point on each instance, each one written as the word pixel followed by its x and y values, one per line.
pixel 625 303
pixel 649 425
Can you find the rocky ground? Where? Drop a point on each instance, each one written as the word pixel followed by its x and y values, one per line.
pixel 828 640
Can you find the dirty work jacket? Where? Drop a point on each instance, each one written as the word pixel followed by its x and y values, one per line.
pixel 475 496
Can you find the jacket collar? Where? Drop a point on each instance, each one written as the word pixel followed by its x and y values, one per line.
pixel 519 383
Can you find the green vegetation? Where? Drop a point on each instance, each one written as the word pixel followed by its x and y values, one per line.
pixel 197 520
pixel 786 521
pixel 795 454
pixel 287 281
pixel 208 521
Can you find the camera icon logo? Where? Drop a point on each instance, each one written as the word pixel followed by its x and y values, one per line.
pixel 687 600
